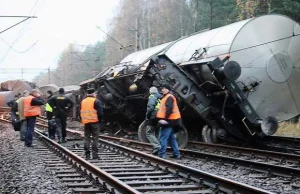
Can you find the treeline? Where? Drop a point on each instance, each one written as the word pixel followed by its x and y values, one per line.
pixel 140 24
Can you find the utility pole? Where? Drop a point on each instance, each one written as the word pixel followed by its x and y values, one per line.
pixel 137 36
pixel 63 75
pixel 49 78
pixel 94 68
pixel 211 13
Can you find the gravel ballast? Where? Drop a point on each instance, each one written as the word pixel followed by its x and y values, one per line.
pixel 22 170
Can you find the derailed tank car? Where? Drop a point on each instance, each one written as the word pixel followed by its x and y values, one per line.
pixel 233 83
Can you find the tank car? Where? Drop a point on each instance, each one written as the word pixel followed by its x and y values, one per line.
pixel 233 83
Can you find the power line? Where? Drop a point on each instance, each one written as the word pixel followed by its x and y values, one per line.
pixel 4 16
pixel 16 24
pixel 112 38
pixel 17 50
pixel 8 50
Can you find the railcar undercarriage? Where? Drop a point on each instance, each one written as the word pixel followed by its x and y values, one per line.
pixel 216 108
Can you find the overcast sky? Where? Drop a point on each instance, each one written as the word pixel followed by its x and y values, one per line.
pixel 37 43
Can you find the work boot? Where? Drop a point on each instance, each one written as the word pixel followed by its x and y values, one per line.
pixel 155 152
pixel 87 156
pixel 176 157
pixel 59 140
pixel 95 157
pixel 64 140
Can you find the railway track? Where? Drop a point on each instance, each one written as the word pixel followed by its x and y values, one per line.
pixel 262 165
pixel 125 170
pixel 259 164
pixel 281 144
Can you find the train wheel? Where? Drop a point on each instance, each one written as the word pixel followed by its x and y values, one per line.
pixel 209 135
pixel 214 135
pixel 204 133
pixel 142 132
pixel 181 136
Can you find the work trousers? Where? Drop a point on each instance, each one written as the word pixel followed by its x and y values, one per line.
pixel 30 129
pixel 167 136
pixel 23 130
pixel 51 129
pixel 61 122
pixel 151 134
pixel 94 130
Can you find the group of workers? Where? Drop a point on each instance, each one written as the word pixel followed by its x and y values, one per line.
pixel 27 107
pixel 24 110
pixel 162 113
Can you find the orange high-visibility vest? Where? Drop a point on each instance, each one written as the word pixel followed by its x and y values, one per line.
pixel 87 112
pixel 30 111
pixel 161 113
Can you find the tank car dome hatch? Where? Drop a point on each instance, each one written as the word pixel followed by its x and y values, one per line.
pixel 71 88
pixel 5 97
pixel 16 86
pixel 140 57
pixel 54 88
pixel 267 49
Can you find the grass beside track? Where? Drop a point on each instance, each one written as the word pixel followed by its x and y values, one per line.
pixel 289 129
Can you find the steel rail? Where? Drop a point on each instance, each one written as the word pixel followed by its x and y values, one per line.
pixel 270 169
pixel 109 179
pixel 249 151
pixel 211 180
pixel 112 182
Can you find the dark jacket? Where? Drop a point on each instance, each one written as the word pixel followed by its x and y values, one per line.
pixel 13 105
pixel 152 101
pixel 97 106
pixel 61 104
pixel 37 101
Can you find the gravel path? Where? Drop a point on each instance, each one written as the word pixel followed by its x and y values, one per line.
pixel 22 170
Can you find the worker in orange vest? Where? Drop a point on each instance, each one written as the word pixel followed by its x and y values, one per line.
pixel 32 110
pixel 91 113
pixel 169 116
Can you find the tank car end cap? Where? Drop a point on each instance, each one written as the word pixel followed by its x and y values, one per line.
pixel 232 70
pixel 269 125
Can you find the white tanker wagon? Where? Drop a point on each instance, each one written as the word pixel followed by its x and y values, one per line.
pixel 233 83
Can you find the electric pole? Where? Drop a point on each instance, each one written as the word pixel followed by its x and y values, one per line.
pixel 49 78
pixel 137 41
pixel 211 13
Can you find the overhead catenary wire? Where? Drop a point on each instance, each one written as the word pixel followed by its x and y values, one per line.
pixel 15 24
pixel 27 49
pixel 113 38
pixel 11 46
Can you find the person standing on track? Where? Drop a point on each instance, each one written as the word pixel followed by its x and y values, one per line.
pixel 61 104
pixel 49 115
pixel 14 114
pixel 91 114
pixel 32 110
pixel 169 117
pixel 21 115
pixel 151 120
